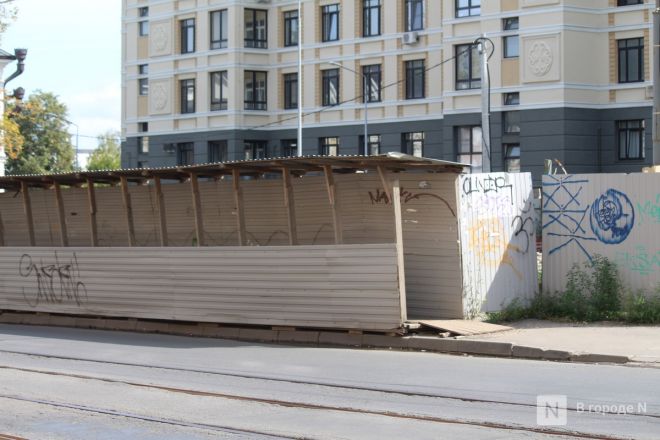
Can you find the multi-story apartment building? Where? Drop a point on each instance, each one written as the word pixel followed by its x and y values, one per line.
pixel 212 80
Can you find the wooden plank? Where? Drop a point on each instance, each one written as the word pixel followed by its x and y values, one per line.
pixel 398 228
pixel 128 209
pixel 197 208
pixel 332 197
pixel 27 207
pixel 464 327
pixel 61 215
pixel 289 203
pixel 2 231
pixel 162 215
pixel 91 200
pixel 382 174
pixel 240 208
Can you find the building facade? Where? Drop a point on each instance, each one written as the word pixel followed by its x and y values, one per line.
pixel 213 80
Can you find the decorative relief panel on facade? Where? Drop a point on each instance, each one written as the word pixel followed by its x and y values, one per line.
pixel 160 38
pixel 160 101
pixel 541 58
pixel 532 3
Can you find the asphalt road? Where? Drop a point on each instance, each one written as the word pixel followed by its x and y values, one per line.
pixel 60 383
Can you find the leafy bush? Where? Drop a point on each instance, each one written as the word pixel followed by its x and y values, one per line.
pixel 594 292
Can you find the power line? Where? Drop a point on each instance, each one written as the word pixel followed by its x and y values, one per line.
pixel 435 66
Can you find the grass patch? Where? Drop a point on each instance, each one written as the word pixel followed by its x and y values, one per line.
pixel 594 292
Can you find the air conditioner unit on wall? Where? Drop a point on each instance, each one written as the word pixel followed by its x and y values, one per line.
pixel 410 38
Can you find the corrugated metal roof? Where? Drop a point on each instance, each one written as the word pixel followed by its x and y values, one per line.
pixel 299 165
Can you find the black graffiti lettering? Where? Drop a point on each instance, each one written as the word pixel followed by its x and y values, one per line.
pixel 487 185
pixel 406 197
pixel 520 227
pixel 56 283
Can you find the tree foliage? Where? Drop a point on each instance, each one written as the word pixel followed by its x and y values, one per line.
pixel 107 155
pixel 46 143
pixel 8 12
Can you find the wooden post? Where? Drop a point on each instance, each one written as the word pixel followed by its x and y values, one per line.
pixel 27 206
pixel 240 210
pixel 61 215
pixel 197 208
pixel 129 211
pixel 382 173
pixel 332 196
pixel 91 198
pixel 160 202
pixel 2 232
pixel 398 228
pixel 290 205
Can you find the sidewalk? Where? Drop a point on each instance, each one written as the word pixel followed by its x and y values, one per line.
pixel 639 343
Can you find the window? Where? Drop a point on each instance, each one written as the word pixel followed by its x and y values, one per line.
pixel 143 69
pixel 255 150
pixel 290 90
pixel 414 15
pixel 143 26
pixel 188 96
pixel 329 146
pixel 370 18
pixel 630 135
pixel 373 145
pixel 629 2
pixel 631 60
pixel 413 143
pixel 512 158
pixel 373 76
pixel 185 153
pixel 512 98
pixel 330 87
pixel 219 29
pixel 143 141
pixel 469 146
pixel 415 87
pixel 330 23
pixel 467 8
pixel 288 148
pixel 219 88
pixel 217 151
pixel 255 90
pixel 468 67
pixel 143 86
pixel 143 144
pixel 188 35
pixel 291 28
pixel 143 164
pixel 511 122
pixel 256 28
pixel 511 42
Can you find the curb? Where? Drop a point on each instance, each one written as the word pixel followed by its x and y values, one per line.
pixel 318 338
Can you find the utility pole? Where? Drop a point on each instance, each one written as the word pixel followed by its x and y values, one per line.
pixel 656 83
pixel 300 79
pixel 485 105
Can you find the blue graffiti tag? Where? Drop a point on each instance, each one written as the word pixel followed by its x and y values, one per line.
pixel 612 217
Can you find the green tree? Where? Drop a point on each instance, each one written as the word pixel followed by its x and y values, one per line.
pixel 106 156
pixel 7 14
pixel 46 146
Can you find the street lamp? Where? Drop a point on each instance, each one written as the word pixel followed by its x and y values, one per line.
pixel 300 88
pixel 366 102
pixel 63 119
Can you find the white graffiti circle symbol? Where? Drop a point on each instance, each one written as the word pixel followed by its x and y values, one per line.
pixel 540 58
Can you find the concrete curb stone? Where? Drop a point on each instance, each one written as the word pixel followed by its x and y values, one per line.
pixel 524 352
pixel 599 358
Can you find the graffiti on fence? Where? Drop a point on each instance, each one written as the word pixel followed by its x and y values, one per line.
pixel 640 261
pixel 612 217
pixel 649 211
pixel 380 197
pixel 56 280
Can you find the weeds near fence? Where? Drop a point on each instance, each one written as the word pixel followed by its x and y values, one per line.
pixel 594 292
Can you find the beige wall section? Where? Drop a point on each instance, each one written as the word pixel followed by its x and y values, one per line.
pixel 510 72
pixel 429 215
pixel 348 287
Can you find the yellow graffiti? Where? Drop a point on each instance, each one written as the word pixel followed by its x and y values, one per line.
pixel 486 241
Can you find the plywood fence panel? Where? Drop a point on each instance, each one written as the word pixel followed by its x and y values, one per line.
pixel 498 239
pixel 613 215
pixel 345 286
